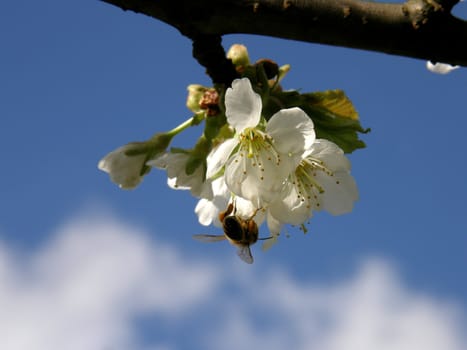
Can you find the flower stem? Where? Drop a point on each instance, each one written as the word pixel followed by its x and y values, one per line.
pixel 195 120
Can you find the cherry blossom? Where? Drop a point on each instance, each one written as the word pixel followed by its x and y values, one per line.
pixel 322 181
pixel 260 156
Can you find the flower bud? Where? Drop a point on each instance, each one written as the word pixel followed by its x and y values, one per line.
pixel 238 54
pixel 283 70
pixel 195 94
pixel 124 170
pixel 127 164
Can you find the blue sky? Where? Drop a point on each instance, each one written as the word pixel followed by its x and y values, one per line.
pixel 119 269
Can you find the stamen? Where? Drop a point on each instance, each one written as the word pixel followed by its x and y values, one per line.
pixel 257 147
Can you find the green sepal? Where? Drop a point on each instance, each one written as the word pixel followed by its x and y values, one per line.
pixel 198 155
pixel 146 169
pixel 136 148
pixel 155 145
pixel 213 125
pixel 193 163
pixel 179 150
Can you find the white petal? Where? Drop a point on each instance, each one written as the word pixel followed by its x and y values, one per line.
pixel 331 154
pixel 268 243
pixel 340 192
pixel 178 179
pixel 242 105
pixel 197 187
pixel 244 208
pixel 246 178
pixel 160 161
pixel 291 208
pixel 292 130
pixel 208 210
pixel 219 188
pixel 247 210
pixel 340 189
pixel 124 170
pixel 275 227
pixel 172 183
pixel 219 156
pixel 440 68
pixel 173 163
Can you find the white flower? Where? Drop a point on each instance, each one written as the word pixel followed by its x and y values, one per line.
pixel 258 159
pixel 440 68
pixel 124 170
pixel 177 178
pixel 322 181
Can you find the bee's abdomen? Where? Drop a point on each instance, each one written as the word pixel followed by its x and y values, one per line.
pixel 233 228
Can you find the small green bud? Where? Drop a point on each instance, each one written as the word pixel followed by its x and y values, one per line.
pixel 283 70
pixel 238 54
pixel 195 94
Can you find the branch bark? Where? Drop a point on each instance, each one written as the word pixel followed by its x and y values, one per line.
pixel 423 29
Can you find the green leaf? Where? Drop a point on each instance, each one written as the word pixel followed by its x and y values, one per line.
pixel 333 101
pixel 333 115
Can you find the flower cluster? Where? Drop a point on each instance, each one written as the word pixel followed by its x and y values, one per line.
pixel 261 150
pixel 278 166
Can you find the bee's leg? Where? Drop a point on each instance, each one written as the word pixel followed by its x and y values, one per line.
pixel 234 207
pixel 254 213
pixel 252 226
pixel 227 212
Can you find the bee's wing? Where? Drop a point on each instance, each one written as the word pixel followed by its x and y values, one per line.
pixel 244 253
pixel 209 238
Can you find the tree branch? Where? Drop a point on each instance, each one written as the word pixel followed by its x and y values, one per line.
pixel 423 29
pixel 208 51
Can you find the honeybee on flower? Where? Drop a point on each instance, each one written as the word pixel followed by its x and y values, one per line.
pixel 280 166
pixel 240 232
pixel 259 149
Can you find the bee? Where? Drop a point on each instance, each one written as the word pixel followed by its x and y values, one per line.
pixel 239 232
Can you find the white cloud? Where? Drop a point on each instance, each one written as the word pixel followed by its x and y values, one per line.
pixel 372 310
pixel 84 289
